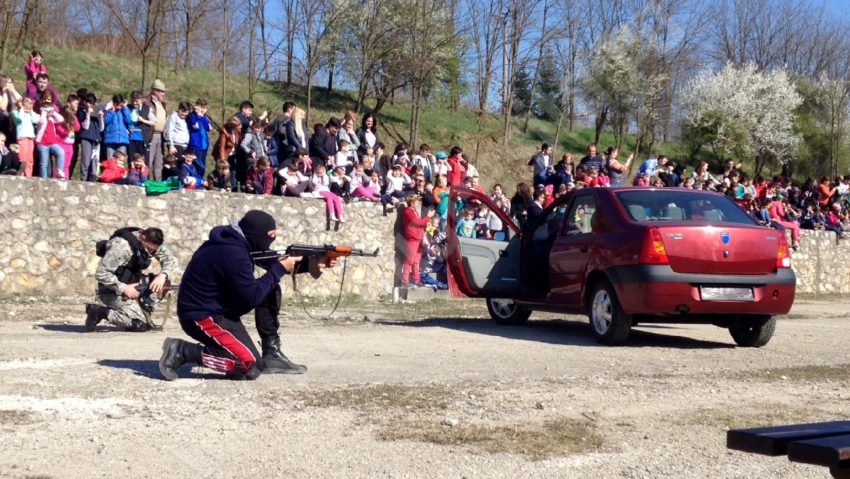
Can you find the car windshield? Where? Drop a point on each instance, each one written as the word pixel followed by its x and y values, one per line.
pixel 682 205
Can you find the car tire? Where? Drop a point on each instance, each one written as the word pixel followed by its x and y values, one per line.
pixel 507 311
pixel 610 325
pixel 754 333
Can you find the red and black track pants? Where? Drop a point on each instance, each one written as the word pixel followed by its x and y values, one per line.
pixel 227 344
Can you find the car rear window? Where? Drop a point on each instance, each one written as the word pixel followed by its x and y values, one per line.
pixel 681 205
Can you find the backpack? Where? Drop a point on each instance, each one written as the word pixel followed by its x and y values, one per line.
pixel 140 260
pixel 280 132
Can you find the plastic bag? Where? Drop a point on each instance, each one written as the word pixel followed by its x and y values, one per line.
pixel 153 188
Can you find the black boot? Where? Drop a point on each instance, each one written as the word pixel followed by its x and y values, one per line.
pixel 140 326
pixel 94 315
pixel 175 353
pixel 275 361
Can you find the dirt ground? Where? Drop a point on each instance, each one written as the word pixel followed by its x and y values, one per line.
pixel 417 390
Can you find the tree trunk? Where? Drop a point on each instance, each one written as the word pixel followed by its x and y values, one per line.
pixel 362 86
pixel 601 118
pixel 536 67
pixel 187 39
pixel 226 46
pixel 309 98
pixel 331 62
pixel 7 32
pixel 261 18
pixel 252 66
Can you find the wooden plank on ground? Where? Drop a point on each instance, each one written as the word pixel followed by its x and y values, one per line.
pixel 825 451
pixel 773 441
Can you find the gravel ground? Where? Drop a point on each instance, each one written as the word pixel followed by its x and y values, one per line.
pixel 416 390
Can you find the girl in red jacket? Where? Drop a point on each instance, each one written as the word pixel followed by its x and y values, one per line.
pixel 414 230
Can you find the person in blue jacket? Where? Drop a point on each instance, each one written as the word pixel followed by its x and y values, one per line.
pixel 199 134
pixel 218 287
pixel 190 177
pixel 116 126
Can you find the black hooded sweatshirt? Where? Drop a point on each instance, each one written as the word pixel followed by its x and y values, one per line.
pixel 219 279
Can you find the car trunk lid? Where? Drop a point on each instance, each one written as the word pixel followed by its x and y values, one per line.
pixel 720 250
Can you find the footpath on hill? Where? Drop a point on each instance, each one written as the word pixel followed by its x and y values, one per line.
pixel 415 390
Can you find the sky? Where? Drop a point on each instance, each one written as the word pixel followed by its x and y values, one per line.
pixel 840 7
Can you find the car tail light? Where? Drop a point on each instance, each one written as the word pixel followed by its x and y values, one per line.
pixel 783 256
pixel 653 250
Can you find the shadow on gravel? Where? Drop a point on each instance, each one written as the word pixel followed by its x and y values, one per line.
pixel 149 368
pixel 63 328
pixel 574 333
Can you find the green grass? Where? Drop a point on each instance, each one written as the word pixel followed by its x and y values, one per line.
pixel 106 75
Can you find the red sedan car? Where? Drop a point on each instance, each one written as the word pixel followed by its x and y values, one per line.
pixel 626 256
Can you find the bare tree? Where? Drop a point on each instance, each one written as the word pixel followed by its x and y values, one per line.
pixel 10 11
pixel 518 20
pixel 192 13
pixel 143 35
pixel 319 18
pixel 485 32
pixel 369 40
pixel 290 28
pixel 428 49
pixel 29 27
pixel 541 44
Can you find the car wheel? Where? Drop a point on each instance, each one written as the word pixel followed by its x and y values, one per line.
pixel 754 333
pixel 507 311
pixel 609 323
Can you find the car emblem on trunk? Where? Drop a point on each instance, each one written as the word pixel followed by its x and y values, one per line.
pixel 726 253
pixel 725 238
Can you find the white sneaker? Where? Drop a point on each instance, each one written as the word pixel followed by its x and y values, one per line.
pixel 60 174
pixel 341 219
pixel 334 218
pixel 306 195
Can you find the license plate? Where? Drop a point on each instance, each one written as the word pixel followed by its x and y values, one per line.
pixel 709 293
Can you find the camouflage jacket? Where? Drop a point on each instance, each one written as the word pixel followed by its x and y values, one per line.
pixel 118 254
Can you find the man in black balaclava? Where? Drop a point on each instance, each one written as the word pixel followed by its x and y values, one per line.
pixel 217 289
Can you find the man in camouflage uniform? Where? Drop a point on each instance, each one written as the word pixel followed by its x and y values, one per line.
pixel 120 282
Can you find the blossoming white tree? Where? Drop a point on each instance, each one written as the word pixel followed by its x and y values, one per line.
pixel 741 112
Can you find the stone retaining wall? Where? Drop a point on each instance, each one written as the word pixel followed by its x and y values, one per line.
pixel 50 229
pixel 822 263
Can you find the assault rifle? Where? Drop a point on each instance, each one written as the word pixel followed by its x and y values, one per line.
pixel 310 251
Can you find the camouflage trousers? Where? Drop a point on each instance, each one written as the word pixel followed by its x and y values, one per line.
pixel 124 313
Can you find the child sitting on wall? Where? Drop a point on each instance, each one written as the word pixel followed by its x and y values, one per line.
pixel 260 181
pixel 170 169
pixel 219 179
pixel 190 177
pixel 138 172
pixel 322 184
pixel 113 168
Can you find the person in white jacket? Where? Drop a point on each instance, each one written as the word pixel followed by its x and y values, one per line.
pixel 176 131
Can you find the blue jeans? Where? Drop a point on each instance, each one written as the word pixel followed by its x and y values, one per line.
pixel 44 153
pixel 201 162
pixel 111 148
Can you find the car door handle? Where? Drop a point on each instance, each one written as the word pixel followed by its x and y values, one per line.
pixel 584 249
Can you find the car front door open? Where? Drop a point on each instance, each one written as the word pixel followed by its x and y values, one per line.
pixel 479 265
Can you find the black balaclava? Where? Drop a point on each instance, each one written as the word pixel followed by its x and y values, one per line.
pixel 255 225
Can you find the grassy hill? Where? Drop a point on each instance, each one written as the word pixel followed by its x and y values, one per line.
pixel 106 75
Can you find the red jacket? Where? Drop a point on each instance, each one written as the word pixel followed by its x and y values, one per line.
pixel 458 173
pixel 265 180
pixel 112 172
pixel 413 225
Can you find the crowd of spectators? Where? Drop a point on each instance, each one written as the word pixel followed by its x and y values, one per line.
pixel 777 202
pixel 136 139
